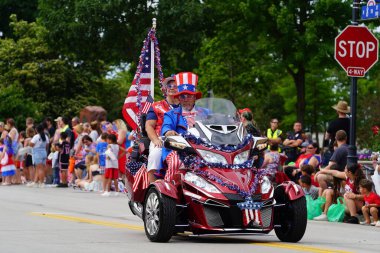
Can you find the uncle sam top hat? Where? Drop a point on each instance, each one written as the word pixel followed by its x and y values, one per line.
pixel 187 83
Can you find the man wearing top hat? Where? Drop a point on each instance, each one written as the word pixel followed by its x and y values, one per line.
pixel 179 120
pixel 154 120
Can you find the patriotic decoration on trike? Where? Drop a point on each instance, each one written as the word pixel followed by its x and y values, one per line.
pixel 141 92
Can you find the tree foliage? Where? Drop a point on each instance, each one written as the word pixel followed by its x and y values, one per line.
pixel 91 30
pixel 182 26
pixel 15 104
pixel 25 10
pixel 56 85
pixel 272 50
pixel 274 56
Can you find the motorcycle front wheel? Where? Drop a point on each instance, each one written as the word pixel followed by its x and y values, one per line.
pixel 293 221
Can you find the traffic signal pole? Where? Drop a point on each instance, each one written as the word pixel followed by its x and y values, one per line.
pixel 352 155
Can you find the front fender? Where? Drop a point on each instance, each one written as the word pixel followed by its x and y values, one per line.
pixel 166 188
pixel 292 190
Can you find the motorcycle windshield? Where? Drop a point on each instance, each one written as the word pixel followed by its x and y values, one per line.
pixel 219 111
pixel 218 121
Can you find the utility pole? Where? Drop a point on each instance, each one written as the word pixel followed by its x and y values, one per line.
pixel 352 155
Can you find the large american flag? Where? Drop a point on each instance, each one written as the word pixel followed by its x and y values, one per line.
pixel 130 107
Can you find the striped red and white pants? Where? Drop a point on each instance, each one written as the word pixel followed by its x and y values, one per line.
pixel 173 162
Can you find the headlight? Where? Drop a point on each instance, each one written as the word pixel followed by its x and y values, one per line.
pixel 241 158
pixel 212 157
pixel 266 185
pixel 177 145
pixel 261 143
pixel 200 182
pixel 261 146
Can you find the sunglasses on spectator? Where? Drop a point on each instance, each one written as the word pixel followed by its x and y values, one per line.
pixel 275 122
pixel 310 147
pixel 186 96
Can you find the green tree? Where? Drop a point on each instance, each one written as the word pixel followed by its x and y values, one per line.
pixel 182 25
pixel 282 39
pixel 54 84
pixel 92 30
pixel 229 66
pixel 15 104
pixel 26 10
pixel 114 92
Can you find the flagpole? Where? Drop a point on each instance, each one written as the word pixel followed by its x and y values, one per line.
pixel 152 60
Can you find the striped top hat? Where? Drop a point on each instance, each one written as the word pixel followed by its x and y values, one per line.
pixel 187 83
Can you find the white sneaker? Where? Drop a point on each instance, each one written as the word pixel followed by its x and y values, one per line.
pixel 365 223
pixel 31 184
pixel 106 194
pixel 42 185
pixel 322 217
pixel 377 223
pixel 116 194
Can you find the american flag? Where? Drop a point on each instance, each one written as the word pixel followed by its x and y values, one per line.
pixel 130 108
pixel 251 215
pixel 148 104
pixel 141 180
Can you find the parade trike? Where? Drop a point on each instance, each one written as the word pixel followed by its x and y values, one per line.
pixel 220 188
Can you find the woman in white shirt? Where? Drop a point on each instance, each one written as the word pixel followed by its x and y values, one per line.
pixel 94 134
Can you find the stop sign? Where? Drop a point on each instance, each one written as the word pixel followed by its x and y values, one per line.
pixel 356 50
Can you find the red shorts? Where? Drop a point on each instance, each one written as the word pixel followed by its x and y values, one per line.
pixel 111 173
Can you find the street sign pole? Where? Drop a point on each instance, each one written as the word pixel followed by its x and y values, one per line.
pixel 352 155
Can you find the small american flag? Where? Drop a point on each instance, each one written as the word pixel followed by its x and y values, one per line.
pixel 148 104
pixel 141 180
pixel 251 215
pixel 130 108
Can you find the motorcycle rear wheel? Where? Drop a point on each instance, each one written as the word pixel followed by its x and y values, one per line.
pixel 159 216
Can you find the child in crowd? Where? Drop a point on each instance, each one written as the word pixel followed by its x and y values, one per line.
pixel 307 187
pixel 112 166
pixel 64 156
pixel 88 149
pixel 371 203
pixel 309 170
pixel 55 149
pixel 1 151
pixel 20 177
pixel 351 177
pixel 8 169
pixel 94 181
pixel 29 170
pixel 101 148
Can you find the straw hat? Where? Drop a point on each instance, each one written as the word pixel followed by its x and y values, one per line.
pixel 342 106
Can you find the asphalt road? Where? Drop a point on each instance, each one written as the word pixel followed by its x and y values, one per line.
pixel 56 220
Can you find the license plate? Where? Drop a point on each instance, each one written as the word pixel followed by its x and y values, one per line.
pixel 250 205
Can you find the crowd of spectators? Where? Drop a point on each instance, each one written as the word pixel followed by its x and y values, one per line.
pixel 63 153
pixel 92 156
pixel 326 175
